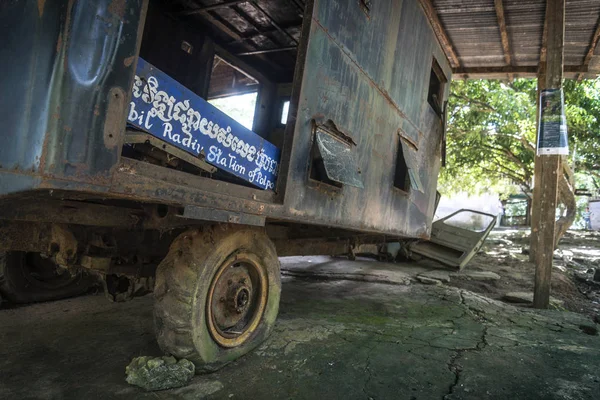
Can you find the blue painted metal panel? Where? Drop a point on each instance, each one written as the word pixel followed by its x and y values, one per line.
pixel 168 110
pixel 369 75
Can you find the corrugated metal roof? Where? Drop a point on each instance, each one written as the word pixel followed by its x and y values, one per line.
pixel 471 26
pixel 473 29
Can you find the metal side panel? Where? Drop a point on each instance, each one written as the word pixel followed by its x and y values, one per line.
pixel 66 73
pixel 368 75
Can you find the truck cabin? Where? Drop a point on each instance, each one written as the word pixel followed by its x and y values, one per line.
pixel 239 56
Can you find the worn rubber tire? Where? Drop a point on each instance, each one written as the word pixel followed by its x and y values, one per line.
pixel 17 287
pixel 183 281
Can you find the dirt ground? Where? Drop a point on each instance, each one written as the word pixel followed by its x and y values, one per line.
pixel 346 330
pixel 506 253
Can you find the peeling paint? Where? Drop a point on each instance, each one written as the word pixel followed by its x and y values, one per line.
pixel 41 4
pixel 117 8
pixel 128 61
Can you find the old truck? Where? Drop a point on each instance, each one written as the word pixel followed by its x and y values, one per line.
pixel 115 162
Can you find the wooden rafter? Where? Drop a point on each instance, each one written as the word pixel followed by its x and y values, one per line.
pixel 203 9
pixel 208 14
pixel 591 49
pixel 525 70
pixel 503 33
pixel 440 33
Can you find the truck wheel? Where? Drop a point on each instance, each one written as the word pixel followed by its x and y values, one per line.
pixel 30 278
pixel 217 295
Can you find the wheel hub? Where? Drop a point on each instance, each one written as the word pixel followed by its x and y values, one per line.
pixel 241 300
pixel 237 298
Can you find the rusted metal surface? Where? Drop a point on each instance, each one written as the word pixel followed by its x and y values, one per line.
pixel 44 209
pixel 350 79
pixel 237 298
pixel 55 240
pixel 371 80
pixel 70 66
pixel 454 241
pixel 137 137
pixel 476 31
pixel 210 214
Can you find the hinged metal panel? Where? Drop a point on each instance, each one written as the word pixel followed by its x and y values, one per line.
pixel 339 159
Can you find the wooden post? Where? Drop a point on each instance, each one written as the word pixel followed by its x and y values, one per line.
pixel 550 164
pixel 533 208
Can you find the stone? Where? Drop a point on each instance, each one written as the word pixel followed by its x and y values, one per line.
pixel 479 275
pixel 440 275
pixel 428 281
pixel 565 255
pixel 597 275
pixel 526 298
pixel 159 373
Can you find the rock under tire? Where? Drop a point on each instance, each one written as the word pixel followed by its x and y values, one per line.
pixel 183 282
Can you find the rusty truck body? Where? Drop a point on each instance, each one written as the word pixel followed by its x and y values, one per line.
pixel 350 94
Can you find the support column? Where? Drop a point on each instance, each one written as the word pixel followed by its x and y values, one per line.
pixel 533 207
pixel 549 165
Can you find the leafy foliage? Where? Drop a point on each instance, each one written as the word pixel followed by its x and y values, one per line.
pixel 583 117
pixel 492 132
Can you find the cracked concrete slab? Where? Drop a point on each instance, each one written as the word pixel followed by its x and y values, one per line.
pixel 365 270
pixel 437 274
pixel 477 275
pixel 337 339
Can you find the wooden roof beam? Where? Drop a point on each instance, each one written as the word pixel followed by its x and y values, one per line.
pixel 503 34
pixel 571 72
pixel 577 69
pixel 440 33
pixel 591 49
pixel 214 20
pixel 202 10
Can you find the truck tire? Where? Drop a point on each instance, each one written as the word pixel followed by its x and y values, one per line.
pixel 217 295
pixel 30 278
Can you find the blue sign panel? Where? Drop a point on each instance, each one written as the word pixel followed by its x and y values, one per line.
pixel 166 109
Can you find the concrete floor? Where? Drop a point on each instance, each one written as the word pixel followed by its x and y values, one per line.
pixel 335 339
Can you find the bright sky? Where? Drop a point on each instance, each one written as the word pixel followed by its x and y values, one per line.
pixel 240 107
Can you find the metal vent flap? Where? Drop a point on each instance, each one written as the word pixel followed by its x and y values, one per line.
pixel 340 160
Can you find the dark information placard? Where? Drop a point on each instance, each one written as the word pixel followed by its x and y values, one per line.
pixel 552 135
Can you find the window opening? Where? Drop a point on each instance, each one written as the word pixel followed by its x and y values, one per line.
pixel 239 107
pixel 285 109
pixel 437 85
pixel 233 91
pixel 401 177
pixel 317 168
pixel 333 158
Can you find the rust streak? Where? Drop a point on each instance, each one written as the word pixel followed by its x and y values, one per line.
pixel 372 83
pixel 41 4
pixel 128 61
pixel 117 8
pixel 59 43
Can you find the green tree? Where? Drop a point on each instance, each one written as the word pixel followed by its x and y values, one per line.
pixel 492 132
